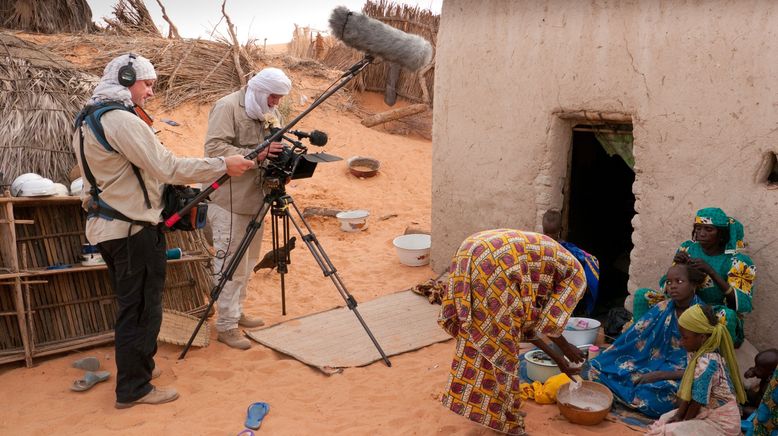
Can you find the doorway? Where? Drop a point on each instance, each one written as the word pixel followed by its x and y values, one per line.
pixel 600 206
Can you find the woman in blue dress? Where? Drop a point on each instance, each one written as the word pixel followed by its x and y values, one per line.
pixel 643 366
pixel 714 250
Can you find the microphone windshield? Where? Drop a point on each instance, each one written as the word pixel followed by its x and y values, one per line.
pixel 318 138
pixel 369 35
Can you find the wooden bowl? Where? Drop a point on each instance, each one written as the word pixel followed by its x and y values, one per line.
pixel 591 403
pixel 363 166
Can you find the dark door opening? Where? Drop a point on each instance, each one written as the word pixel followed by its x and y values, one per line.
pixel 600 207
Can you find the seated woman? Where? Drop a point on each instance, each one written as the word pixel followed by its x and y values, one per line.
pixel 643 366
pixel 506 286
pixel 713 249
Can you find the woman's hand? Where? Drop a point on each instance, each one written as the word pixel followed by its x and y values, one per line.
pixel 650 377
pixel 570 351
pixel 569 369
pixel 681 257
pixel 701 265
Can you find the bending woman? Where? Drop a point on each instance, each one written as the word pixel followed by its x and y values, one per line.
pixel 714 250
pixel 505 286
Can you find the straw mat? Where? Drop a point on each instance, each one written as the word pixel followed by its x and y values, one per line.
pixel 177 327
pixel 335 339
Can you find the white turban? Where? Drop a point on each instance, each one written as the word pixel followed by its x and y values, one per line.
pixel 266 82
pixel 109 88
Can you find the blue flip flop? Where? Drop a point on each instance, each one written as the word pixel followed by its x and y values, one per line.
pixel 90 379
pixel 255 414
pixel 87 364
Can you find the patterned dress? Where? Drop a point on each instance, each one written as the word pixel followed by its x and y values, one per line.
pixel 651 344
pixel 766 416
pixel 712 388
pixel 736 268
pixel 502 283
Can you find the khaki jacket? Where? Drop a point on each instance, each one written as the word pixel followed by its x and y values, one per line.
pixel 134 143
pixel 231 131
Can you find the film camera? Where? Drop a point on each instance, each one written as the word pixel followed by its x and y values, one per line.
pixel 294 162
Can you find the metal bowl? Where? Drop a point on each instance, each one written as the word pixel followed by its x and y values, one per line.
pixel 363 166
pixel 588 405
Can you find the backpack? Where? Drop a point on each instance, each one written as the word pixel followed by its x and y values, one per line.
pixel 174 196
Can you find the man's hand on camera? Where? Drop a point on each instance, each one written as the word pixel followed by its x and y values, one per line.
pixel 237 165
pixel 271 151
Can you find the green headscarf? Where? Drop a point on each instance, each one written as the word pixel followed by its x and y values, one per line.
pixel 716 217
pixel 694 319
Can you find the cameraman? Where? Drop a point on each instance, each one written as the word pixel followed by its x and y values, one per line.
pixel 238 123
pixel 123 214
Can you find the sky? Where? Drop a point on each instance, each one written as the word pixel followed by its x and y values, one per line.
pixel 254 19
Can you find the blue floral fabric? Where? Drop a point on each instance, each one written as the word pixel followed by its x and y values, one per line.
pixel 651 344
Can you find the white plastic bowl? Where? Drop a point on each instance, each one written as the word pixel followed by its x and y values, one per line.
pixel 61 190
pixel 541 370
pixel 353 220
pixel 581 336
pixel 414 249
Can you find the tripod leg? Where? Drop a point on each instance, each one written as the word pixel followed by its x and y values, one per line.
pixel 243 246
pixel 329 270
pixel 281 243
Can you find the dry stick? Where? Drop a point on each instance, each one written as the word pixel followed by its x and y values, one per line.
pixel 173 31
pixel 425 96
pixel 235 45
pixel 394 114
pixel 172 77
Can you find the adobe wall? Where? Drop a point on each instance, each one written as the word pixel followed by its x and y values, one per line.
pixel 697 80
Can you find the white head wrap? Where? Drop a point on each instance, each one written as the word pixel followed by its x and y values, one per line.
pixel 266 82
pixel 109 88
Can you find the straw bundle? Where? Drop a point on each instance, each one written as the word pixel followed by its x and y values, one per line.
pixel 187 69
pixel 177 328
pixel 46 16
pixel 131 18
pixel 40 95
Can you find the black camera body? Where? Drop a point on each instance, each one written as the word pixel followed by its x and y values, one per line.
pixel 293 162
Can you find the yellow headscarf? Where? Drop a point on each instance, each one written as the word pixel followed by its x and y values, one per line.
pixel 694 319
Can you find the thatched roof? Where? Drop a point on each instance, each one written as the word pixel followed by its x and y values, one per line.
pixel 187 69
pixel 40 95
pixel 50 16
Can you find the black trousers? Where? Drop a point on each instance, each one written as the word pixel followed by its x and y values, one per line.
pixel 136 266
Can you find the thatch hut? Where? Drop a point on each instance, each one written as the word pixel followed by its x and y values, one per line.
pixel 51 16
pixel 40 95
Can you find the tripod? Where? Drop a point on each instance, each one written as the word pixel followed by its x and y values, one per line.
pixel 280 204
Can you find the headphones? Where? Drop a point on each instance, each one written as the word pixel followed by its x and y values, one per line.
pixel 127 73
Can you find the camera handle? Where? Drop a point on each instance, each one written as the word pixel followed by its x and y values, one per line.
pixel 275 137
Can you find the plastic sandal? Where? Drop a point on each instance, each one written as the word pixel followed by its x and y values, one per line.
pixel 87 364
pixel 255 413
pixel 90 379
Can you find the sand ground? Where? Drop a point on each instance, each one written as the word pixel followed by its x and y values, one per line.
pixel 218 383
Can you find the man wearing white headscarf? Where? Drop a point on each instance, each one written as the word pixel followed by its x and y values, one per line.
pixel 123 224
pixel 238 123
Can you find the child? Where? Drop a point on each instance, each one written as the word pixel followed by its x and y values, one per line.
pixel 765 363
pixel 552 227
pixel 708 397
pixel 761 397
pixel 643 366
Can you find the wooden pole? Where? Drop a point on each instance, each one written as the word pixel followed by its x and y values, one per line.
pixel 394 114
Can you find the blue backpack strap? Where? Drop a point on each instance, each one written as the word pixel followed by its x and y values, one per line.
pixel 91 115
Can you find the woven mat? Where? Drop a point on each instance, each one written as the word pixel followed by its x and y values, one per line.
pixel 177 327
pixel 335 339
